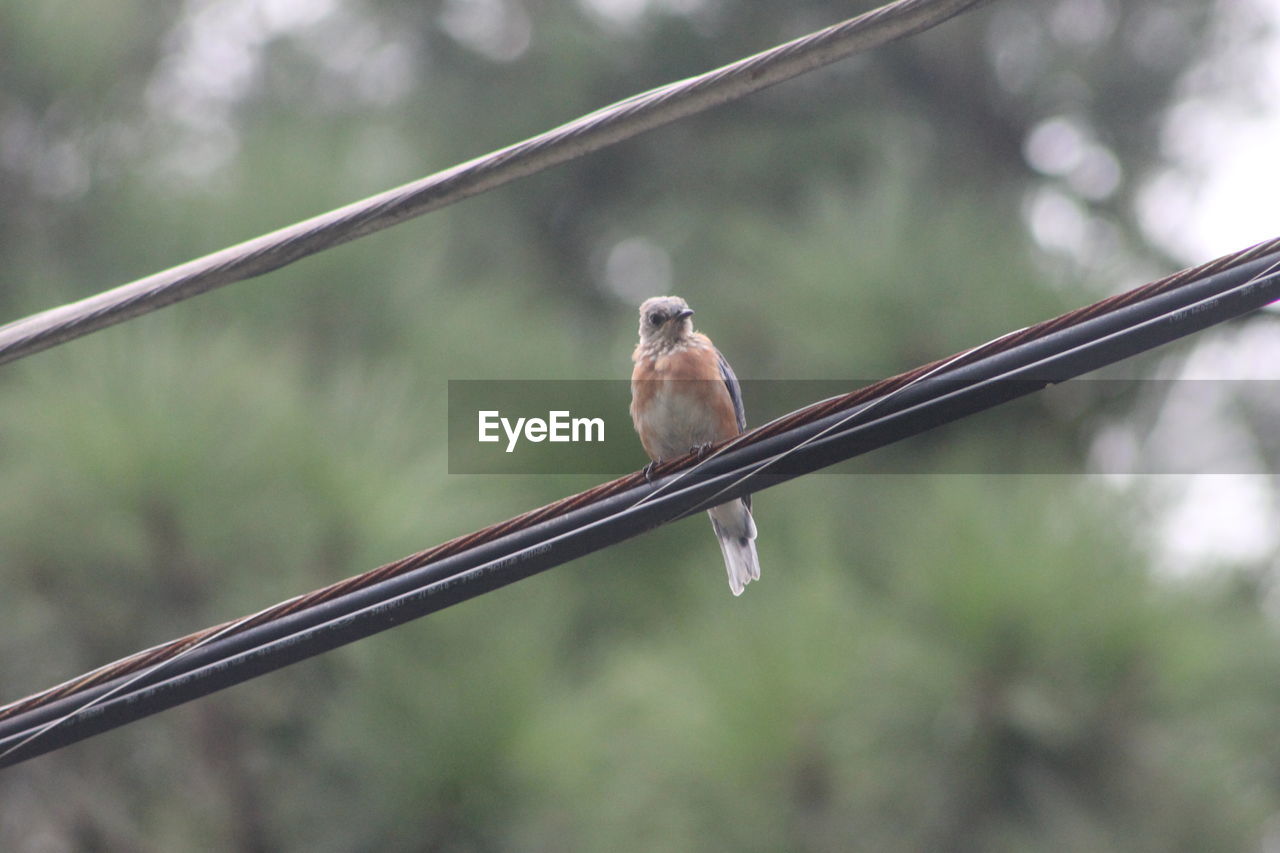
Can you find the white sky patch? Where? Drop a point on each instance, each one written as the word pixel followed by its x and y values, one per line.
pixel 286 15
pixel 1064 147
pixel 1082 22
pixel 1237 207
pixel 1210 519
pixel 1218 519
pixel 1219 199
pixel 214 57
pixel 626 14
pixel 1233 152
pixel 1251 352
pixel 1058 222
pixel 496 29
pixel 637 268
pixel 621 12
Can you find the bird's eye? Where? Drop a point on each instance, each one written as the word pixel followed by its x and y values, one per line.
pixel 656 318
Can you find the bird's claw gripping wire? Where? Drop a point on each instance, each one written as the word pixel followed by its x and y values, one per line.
pixel 700 452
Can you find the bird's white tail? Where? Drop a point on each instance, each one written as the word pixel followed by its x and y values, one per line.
pixel 736 531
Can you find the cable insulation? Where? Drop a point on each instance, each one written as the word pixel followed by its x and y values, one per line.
pixel 1012 365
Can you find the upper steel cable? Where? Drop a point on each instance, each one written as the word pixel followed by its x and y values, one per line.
pixel 591 132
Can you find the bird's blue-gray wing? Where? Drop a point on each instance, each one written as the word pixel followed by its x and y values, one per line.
pixel 735 391
pixel 735 394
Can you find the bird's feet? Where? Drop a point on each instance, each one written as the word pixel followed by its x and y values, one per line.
pixel 701 451
pixel 648 470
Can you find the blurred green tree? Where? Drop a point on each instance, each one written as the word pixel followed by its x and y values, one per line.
pixel 930 662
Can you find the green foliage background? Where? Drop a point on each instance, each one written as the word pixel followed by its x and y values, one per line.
pixel 929 662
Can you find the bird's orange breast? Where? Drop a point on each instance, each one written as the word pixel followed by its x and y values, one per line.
pixel 679 400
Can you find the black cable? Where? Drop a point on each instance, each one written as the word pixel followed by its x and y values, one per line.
pixel 946 396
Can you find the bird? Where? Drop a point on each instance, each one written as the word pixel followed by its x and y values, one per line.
pixel 684 397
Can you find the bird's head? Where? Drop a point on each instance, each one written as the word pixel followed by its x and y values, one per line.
pixel 664 320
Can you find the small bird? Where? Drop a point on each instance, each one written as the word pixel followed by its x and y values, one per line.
pixel 684 396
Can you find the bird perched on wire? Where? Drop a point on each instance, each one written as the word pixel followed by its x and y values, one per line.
pixel 684 396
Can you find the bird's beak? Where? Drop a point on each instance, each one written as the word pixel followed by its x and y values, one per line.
pixel 688 312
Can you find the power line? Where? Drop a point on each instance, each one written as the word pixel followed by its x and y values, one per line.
pixel 816 436
pixel 591 132
pixel 1182 279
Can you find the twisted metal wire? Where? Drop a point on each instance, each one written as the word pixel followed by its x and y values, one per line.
pixel 141 661
pixel 591 132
